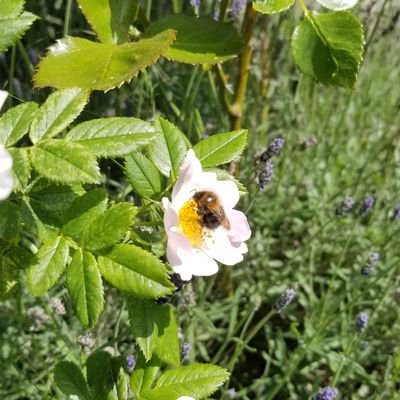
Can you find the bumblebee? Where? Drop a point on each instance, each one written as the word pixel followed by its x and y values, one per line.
pixel 210 210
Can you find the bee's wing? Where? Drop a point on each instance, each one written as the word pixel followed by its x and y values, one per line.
pixel 220 214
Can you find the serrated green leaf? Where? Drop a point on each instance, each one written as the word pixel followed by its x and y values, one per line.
pixel 8 278
pixel 110 19
pixel 12 260
pixel 14 124
pixel 272 6
pixel 9 221
pixel 142 174
pixel 109 228
pixel 13 22
pixel 221 148
pixel 169 149
pixel 154 329
pixel 33 223
pixel 135 271
pixel 49 201
pixel 76 62
pixel 100 374
pixel 112 137
pixel 223 175
pixel 71 381
pixel 47 266
pixel 195 380
pixel 198 40
pixel 85 287
pixel 144 374
pixel 59 110
pixel 83 211
pixel 63 161
pixel 329 47
pixel 21 168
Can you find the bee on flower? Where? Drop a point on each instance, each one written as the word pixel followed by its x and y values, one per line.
pixel 6 179
pixel 201 223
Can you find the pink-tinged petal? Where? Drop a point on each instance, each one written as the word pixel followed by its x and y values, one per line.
pixel 6 160
pixel 220 247
pixel 6 185
pixel 240 229
pixel 3 96
pixel 185 185
pixel 170 216
pixel 195 263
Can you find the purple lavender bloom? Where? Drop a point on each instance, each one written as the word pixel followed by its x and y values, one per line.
pixel 185 351
pixel 346 206
pixel 195 3
pixel 367 205
pixel 326 393
pixel 361 321
pixel 265 174
pixel 373 259
pixel 284 300
pixel 237 6
pixel 130 363
pixel 273 149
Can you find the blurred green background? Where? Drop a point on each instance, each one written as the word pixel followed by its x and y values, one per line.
pixel 338 143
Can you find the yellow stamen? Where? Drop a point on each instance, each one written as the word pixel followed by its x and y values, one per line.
pixel 190 222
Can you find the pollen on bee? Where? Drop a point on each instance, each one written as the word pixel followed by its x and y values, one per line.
pixel 190 222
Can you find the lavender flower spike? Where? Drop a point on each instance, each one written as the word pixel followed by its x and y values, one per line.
pixel 273 149
pixel 361 322
pixel 373 259
pixel 326 393
pixel 346 206
pixel 237 6
pixel 130 363
pixel 284 300
pixel 367 205
pixel 195 3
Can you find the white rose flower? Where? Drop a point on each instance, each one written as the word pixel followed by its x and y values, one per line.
pixel 185 398
pixel 201 224
pixel 6 180
pixel 3 96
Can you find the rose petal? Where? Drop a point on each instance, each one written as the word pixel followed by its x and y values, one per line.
pixel 240 229
pixel 219 247
pixel 3 96
pixel 185 185
pixel 6 161
pixel 195 263
pixel 6 185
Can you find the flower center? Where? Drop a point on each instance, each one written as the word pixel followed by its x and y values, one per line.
pixel 190 222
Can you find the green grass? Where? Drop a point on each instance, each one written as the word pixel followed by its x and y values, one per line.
pixel 338 143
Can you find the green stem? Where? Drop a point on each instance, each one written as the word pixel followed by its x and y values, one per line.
pixel 11 75
pixel 117 325
pixel 67 18
pixel 248 338
pixel 222 10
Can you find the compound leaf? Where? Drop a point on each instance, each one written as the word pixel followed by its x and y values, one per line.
pixel 221 148
pixel 85 287
pixel 14 124
pixel 135 271
pixel 198 40
pixel 47 265
pixel 76 62
pixel 112 137
pixel 63 161
pixel 59 110
pixel 329 47
pixel 109 228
